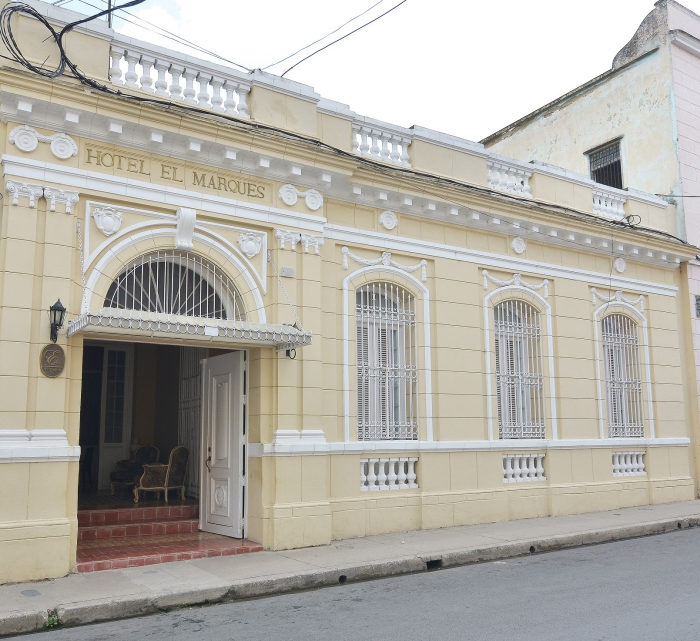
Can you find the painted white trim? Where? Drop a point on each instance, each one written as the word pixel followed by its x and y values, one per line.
pixel 257 450
pixel 507 263
pixel 165 195
pixel 602 412
pixel 36 446
pixel 113 254
pixel 346 345
pixel 170 219
pixel 550 359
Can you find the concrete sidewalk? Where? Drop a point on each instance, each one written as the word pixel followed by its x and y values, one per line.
pixel 99 596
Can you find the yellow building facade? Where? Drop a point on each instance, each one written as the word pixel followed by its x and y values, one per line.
pixel 355 327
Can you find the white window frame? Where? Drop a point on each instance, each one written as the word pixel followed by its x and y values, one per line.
pixel 547 342
pixel 387 372
pixel 645 365
pixel 519 367
pixel 422 295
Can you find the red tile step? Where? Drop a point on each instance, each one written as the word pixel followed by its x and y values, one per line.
pixel 111 554
pixel 144 527
pixel 130 514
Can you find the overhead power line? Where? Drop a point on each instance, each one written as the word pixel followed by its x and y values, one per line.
pixel 359 15
pixel 343 37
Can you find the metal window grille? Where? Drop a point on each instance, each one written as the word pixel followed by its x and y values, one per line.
pixel 697 306
pixel 182 284
pixel 386 363
pixel 623 381
pixel 519 379
pixel 606 166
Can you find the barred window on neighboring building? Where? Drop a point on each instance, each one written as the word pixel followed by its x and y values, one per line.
pixel 623 380
pixel 386 363
pixel 519 379
pixel 606 167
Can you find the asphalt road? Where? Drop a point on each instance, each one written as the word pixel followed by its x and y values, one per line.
pixel 643 589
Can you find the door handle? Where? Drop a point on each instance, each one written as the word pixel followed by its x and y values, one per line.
pixel 207 463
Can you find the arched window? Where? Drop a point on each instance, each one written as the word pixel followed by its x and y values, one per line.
pixel 386 363
pixel 176 283
pixel 519 380
pixel 623 379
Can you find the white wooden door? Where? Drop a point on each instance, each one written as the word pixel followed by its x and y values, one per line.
pixel 223 487
pixel 115 415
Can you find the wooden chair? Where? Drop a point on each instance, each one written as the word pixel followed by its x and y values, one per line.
pixel 159 477
pixel 129 472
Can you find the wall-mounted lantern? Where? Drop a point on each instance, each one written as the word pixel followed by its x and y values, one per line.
pixel 57 312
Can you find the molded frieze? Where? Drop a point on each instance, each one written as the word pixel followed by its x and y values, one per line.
pixel 24 190
pixel 386 260
pixel 518 281
pixel 290 194
pixel 27 139
pixel 388 220
pixel 68 198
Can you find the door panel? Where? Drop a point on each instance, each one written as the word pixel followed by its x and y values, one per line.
pixel 223 443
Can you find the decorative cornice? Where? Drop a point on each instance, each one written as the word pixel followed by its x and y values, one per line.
pixel 386 260
pixel 617 297
pixel 53 196
pixel 517 281
pixel 290 194
pixel 27 139
pixel 24 190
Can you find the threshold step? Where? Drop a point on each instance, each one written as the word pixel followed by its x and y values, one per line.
pixel 144 527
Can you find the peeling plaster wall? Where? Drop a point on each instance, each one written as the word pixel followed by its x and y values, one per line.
pixel 635 103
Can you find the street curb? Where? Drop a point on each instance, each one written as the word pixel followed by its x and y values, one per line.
pixel 71 615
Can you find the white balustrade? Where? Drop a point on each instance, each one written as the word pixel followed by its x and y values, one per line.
pixel 175 79
pixel 379 144
pixel 628 463
pixel 608 204
pixel 523 467
pixel 378 474
pixel 509 178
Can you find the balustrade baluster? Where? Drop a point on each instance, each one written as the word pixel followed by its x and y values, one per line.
pixel 392 476
pixel 540 467
pixel 384 152
pixel 508 467
pixel 203 96
pixel 189 92
pixel 402 478
pixel 131 76
pixel 162 67
pixel 364 145
pixel 146 81
pixel 381 475
pixel 363 475
pixel 243 91
pixel 616 463
pixel 516 468
pixel 395 155
pixel 230 102
pixel 405 161
pixel 115 71
pixel 176 72
pixel 216 98
pixel 371 474
pixel 531 471
pixel 355 139
pixel 411 476
pixel 374 149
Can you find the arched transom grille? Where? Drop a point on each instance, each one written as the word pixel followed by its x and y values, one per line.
pixel 623 380
pixel 519 380
pixel 182 284
pixel 386 363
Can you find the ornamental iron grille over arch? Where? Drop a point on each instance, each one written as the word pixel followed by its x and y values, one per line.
pixel 387 374
pixel 623 379
pixel 176 283
pixel 519 379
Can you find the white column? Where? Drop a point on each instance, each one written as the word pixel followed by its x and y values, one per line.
pixel 162 67
pixel 203 96
pixel 131 76
pixel 230 102
pixel 243 91
pixel 115 72
pixel 146 65
pixel 190 93
pixel 176 72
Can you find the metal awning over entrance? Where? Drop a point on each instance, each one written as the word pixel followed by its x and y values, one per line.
pixel 125 323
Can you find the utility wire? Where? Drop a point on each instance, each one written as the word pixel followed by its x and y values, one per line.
pixel 330 44
pixel 167 34
pixel 397 174
pixel 359 15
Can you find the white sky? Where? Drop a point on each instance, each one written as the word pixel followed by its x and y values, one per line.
pixel 465 67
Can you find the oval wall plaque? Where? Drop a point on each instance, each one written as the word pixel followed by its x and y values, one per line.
pixel 52 360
